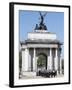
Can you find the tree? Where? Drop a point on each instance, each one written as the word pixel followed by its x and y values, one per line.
pixel 41 62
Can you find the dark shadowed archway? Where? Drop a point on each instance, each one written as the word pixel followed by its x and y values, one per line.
pixel 42 62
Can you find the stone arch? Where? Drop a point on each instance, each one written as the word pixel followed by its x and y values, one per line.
pixel 41 51
pixel 41 61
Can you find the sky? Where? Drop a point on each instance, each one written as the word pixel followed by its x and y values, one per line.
pixel 53 20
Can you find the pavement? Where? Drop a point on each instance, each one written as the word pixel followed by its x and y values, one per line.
pixel 39 77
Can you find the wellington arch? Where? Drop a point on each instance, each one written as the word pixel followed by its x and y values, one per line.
pixel 41 51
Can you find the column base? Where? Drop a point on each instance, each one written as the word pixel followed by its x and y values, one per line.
pixel 29 74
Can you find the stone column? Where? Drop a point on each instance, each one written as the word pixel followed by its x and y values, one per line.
pixel 53 56
pixel 47 62
pixel 60 65
pixel 34 60
pixel 29 62
pixel 59 60
pixel 56 60
pixel 49 59
pixel 25 55
pixel 23 60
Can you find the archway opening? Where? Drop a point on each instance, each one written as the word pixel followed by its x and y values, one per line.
pixel 42 62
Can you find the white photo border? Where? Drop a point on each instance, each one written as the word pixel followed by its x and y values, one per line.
pixel 14 35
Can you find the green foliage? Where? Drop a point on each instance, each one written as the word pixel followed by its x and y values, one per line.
pixel 41 62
